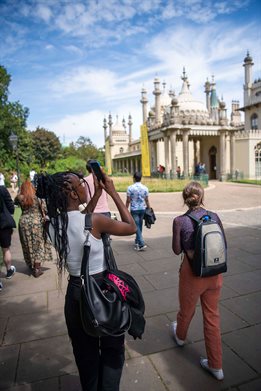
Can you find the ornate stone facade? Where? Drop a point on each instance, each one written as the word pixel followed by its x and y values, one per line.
pixel 184 132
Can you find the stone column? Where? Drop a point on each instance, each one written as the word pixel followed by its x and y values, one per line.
pixel 232 153
pixel 173 144
pixel 166 153
pixel 185 153
pixel 222 154
pixel 153 161
pixel 131 167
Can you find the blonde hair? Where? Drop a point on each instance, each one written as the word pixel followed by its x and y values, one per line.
pixel 193 195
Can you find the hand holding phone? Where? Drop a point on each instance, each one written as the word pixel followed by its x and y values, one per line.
pixel 96 169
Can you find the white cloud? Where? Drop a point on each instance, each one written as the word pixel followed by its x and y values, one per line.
pixel 90 124
pixel 43 12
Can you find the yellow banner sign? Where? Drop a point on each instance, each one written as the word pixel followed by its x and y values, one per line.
pixel 108 157
pixel 145 153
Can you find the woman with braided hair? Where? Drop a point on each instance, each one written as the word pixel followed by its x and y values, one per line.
pixel 99 360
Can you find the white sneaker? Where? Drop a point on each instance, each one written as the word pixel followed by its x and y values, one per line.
pixel 142 248
pixel 173 328
pixel 217 373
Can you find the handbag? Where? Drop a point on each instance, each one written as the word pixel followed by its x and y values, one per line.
pixel 6 219
pixel 109 306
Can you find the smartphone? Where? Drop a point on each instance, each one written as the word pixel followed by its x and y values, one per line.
pixel 95 166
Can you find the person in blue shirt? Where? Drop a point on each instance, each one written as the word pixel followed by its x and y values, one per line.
pixel 138 200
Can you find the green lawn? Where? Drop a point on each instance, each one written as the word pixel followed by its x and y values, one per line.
pixel 155 185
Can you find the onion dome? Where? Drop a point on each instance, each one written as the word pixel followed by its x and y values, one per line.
pixel 248 58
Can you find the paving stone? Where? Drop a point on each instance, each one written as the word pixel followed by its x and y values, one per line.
pixel 254 385
pixel 56 299
pixel 227 292
pixel 181 371
pixel 247 307
pixel 155 338
pixel 43 385
pixel 161 301
pixel 8 363
pixel 40 325
pixel 134 269
pixel 144 285
pixel 29 284
pixel 235 267
pixel 163 279
pixel 70 382
pixel 246 343
pixel 23 304
pixel 37 362
pixel 139 375
pixel 244 282
pixel 165 264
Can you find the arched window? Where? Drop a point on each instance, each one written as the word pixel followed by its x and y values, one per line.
pixel 254 121
pixel 121 149
pixel 258 160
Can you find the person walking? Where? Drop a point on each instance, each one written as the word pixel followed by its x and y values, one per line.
pixel 138 200
pixel 102 203
pixel 192 288
pixel 6 233
pixel 36 249
pixel 99 360
pixel 14 180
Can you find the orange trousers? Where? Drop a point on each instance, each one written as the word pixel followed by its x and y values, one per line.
pixel 191 288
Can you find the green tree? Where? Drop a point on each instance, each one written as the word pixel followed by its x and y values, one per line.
pixel 84 149
pixel 13 118
pixel 46 146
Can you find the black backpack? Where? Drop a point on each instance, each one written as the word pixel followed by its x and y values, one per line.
pixel 210 256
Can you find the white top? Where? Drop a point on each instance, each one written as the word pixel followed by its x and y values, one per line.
pixel 2 179
pixel 76 238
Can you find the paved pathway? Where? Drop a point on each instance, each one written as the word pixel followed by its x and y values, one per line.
pixel 35 353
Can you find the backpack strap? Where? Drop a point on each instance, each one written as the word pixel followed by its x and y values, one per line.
pixel 88 222
pixel 192 217
pixel 86 246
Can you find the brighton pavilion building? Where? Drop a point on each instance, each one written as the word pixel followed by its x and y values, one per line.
pixel 182 132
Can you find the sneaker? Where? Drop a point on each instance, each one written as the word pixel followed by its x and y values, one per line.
pixel 142 248
pixel 1 286
pixel 217 373
pixel 173 328
pixel 10 272
pixel 136 247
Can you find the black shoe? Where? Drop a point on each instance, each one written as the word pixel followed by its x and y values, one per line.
pixel 10 272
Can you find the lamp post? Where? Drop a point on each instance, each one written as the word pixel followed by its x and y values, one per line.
pixel 13 140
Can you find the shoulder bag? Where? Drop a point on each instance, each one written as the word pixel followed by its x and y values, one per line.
pixel 114 304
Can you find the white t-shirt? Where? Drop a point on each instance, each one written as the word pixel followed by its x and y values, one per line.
pixel 76 238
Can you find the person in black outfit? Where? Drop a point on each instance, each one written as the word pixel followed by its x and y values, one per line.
pixel 6 233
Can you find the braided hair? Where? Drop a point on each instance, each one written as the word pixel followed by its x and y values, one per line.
pixel 54 189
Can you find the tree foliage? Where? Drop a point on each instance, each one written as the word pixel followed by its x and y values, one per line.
pixel 46 146
pixel 13 118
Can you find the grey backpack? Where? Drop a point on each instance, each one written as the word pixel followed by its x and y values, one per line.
pixel 210 256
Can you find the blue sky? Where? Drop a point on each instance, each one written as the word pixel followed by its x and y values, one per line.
pixel 73 62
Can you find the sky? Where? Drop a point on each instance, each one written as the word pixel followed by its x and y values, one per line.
pixel 74 62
